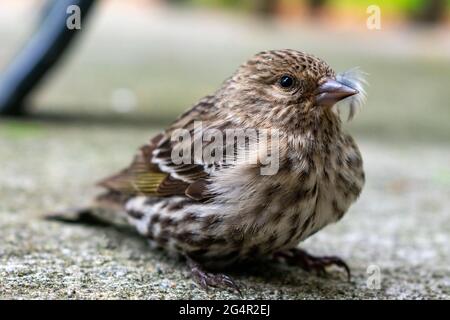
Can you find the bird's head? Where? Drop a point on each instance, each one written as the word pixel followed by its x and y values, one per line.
pixel 286 87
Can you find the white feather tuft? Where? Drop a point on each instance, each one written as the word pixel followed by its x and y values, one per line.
pixel 355 78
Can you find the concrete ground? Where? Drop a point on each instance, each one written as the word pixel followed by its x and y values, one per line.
pixel 400 227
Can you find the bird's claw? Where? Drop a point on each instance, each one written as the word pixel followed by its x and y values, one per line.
pixel 310 263
pixel 207 279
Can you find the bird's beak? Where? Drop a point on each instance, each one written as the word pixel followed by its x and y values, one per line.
pixel 332 91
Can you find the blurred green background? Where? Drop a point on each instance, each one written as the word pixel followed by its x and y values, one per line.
pixel 158 57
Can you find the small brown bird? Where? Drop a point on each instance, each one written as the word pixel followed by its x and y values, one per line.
pixel 188 193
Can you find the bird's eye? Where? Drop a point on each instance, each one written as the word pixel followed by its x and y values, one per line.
pixel 286 81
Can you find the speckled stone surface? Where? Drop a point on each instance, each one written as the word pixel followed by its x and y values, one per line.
pixel 401 225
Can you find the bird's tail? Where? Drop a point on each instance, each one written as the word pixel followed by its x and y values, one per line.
pixel 106 210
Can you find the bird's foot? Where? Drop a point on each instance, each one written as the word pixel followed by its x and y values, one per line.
pixel 207 279
pixel 307 262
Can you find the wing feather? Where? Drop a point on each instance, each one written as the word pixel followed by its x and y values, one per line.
pixel 152 171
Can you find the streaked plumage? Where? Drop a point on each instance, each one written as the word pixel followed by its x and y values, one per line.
pixel 219 214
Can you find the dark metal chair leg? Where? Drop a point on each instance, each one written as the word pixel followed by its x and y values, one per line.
pixel 40 54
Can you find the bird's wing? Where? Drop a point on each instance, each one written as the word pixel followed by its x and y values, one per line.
pixel 153 172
